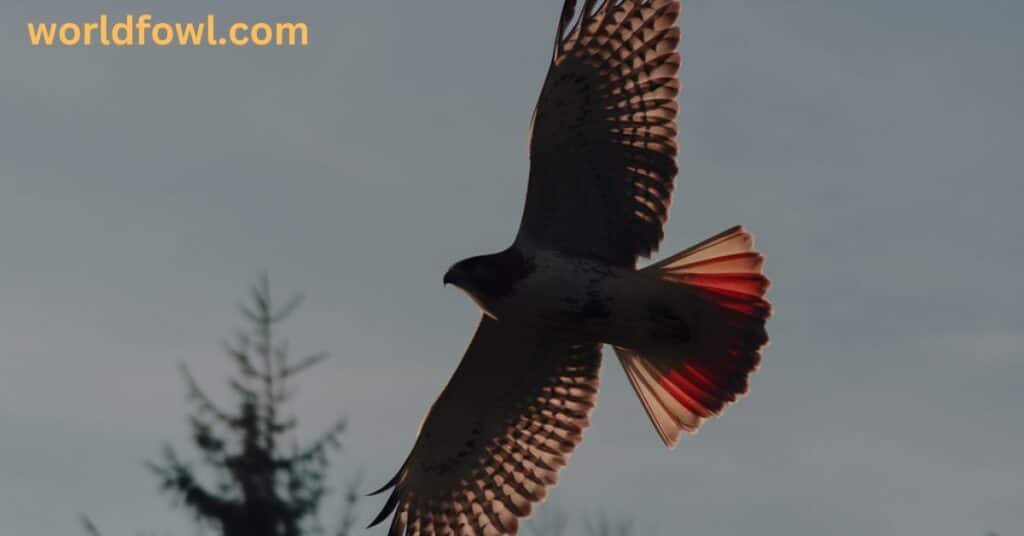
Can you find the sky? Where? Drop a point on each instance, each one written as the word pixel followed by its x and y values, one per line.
pixel 873 147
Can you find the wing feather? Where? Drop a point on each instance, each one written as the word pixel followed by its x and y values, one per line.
pixel 497 435
pixel 603 140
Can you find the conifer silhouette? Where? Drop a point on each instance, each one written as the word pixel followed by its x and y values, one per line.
pixel 265 482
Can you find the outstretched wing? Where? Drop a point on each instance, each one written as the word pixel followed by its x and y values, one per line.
pixel 496 437
pixel 603 140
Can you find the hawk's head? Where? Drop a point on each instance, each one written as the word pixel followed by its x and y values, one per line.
pixel 489 278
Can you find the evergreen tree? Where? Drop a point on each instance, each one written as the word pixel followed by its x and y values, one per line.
pixel 266 484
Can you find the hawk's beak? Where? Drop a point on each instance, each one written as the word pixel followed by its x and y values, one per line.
pixel 452 276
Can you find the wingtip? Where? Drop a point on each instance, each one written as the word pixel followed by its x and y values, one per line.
pixel 568 13
pixel 390 484
pixel 386 511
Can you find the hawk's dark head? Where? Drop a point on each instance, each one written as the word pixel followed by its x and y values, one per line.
pixel 489 278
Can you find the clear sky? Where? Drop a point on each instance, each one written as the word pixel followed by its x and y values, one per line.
pixel 874 147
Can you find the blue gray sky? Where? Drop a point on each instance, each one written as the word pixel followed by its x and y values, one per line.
pixel 873 147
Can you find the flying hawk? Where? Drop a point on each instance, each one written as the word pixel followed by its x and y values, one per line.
pixel 687 330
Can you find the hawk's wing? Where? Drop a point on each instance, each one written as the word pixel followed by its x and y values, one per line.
pixel 603 139
pixel 495 438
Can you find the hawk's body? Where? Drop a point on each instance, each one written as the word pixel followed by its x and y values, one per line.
pixel 558 290
pixel 582 298
pixel 687 330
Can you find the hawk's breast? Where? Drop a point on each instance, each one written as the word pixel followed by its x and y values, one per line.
pixel 563 291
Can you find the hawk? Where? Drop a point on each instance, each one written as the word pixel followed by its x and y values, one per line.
pixel 688 330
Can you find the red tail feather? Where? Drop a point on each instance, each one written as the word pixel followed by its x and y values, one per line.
pixel 719 289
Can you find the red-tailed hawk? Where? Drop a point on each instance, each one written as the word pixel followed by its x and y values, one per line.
pixel 688 330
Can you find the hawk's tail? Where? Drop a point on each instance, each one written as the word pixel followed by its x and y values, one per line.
pixel 704 331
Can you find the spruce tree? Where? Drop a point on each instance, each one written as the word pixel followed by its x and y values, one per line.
pixel 264 482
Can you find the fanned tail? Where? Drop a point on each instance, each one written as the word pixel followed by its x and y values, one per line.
pixel 706 321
